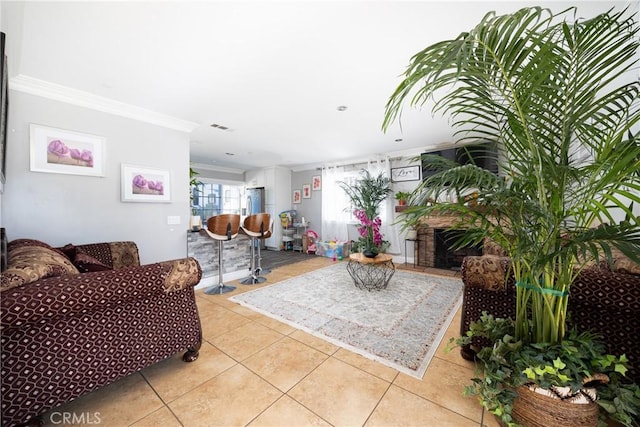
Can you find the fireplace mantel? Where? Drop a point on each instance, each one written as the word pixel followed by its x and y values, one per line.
pixel 438 221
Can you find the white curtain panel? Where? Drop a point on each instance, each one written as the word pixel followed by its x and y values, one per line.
pixel 335 204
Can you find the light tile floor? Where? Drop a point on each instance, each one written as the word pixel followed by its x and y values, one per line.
pixel 255 371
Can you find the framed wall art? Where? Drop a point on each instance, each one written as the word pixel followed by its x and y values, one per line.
pixel 142 184
pixel 316 183
pixel 407 173
pixel 57 150
pixel 297 196
pixel 306 191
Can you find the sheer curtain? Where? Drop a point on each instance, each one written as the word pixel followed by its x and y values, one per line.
pixel 337 217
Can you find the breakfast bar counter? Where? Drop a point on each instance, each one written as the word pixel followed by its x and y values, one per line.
pixel 235 253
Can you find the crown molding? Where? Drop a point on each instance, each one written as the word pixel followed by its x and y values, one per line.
pixel 45 89
pixel 215 168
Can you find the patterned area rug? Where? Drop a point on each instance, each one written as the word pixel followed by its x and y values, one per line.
pixel 400 326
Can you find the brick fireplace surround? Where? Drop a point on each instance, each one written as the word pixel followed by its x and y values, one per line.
pixel 425 250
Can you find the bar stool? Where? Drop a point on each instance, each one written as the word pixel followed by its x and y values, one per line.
pixel 222 228
pixel 255 226
pixel 259 270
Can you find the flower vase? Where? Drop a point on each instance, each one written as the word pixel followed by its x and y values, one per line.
pixel 370 252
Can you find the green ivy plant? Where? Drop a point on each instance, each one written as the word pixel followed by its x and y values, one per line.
pixel 194 184
pixel 510 364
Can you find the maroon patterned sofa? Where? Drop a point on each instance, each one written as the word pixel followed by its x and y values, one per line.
pixel 604 300
pixel 77 318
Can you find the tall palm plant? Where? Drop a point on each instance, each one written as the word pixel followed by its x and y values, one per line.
pixel 550 91
pixel 368 192
pixel 366 195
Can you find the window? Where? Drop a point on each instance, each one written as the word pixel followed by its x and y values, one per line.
pixel 210 199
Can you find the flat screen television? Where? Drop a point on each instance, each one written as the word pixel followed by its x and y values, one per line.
pixel 484 155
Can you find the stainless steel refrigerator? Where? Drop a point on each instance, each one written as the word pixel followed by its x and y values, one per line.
pixel 255 200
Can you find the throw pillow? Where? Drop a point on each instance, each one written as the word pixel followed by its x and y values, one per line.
pixel 69 251
pixel 486 271
pixel 85 263
pixel 623 264
pixel 28 263
pixel 19 243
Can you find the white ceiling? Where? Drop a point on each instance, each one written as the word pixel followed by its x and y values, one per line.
pixel 274 73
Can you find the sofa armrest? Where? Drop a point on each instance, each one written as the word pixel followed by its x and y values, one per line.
pixel 82 293
pixel 181 274
pixel 487 271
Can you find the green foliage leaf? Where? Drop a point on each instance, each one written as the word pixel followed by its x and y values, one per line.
pixel 559 364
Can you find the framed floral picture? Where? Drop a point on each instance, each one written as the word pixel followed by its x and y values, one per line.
pixel 297 196
pixel 56 150
pixel 141 184
pixel 306 191
pixel 316 183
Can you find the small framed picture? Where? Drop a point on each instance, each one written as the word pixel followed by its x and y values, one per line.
pixel 316 183
pixel 407 173
pixel 297 196
pixel 56 150
pixel 142 184
pixel 306 191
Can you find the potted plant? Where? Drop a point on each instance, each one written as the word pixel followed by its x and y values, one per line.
pixel 402 197
pixel 366 195
pixel 195 221
pixel 549 90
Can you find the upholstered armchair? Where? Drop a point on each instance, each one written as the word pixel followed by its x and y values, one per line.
pixel 80 317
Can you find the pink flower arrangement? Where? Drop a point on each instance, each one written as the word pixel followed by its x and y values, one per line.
pixel 369 230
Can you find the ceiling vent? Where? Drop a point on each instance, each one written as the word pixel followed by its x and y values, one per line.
pixel 221 127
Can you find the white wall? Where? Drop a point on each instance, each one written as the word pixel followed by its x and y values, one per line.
pixel 61 209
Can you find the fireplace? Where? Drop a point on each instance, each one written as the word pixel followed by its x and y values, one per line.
pixel 445 256
pixel 427 245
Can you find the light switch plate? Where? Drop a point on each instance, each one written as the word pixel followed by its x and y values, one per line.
pixel 173 220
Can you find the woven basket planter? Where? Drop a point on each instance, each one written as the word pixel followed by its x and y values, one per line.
pixel 533 409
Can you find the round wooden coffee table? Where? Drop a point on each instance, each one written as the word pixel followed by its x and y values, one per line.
pixel 371 273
